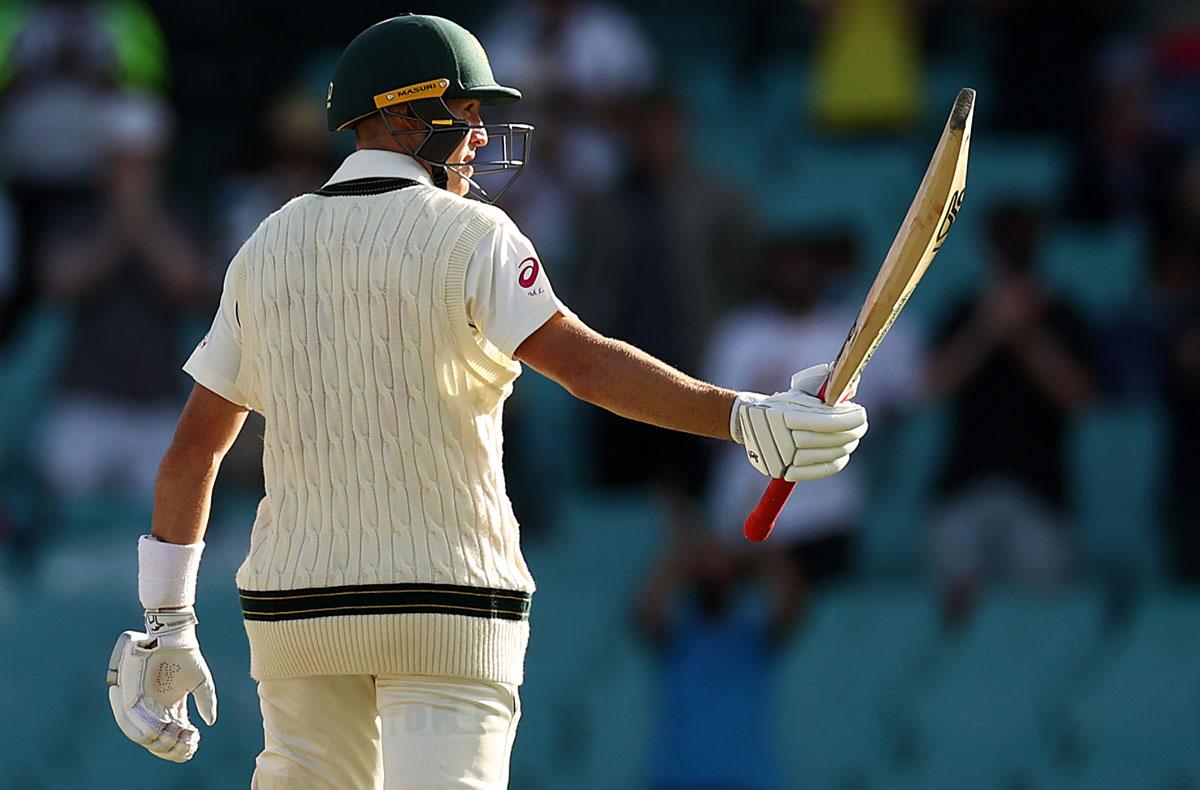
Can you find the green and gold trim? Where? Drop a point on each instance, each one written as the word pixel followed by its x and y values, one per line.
pixel 373 599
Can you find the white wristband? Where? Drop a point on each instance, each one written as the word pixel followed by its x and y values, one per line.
pixel 167 572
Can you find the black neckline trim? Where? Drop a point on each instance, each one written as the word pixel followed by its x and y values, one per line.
pixel 375 185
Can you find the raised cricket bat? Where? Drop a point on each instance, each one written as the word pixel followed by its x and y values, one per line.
pixel 921 235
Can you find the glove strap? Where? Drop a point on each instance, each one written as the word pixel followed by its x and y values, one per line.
pixel 161 622
pixel 742 400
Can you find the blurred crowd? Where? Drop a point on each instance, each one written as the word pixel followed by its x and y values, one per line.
pixel 128 177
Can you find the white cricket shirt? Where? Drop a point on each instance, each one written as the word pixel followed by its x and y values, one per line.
pixel 373 323
pixel 507 289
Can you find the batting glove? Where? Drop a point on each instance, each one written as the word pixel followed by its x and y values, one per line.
pixel 150 676
pixel 793 435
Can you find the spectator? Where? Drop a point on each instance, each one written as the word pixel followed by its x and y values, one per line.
pixel 594 51
pixel 63 72
pixel 1184 204
pixel 120 38
pixel 760 346
pixel 714 640
pixel 1125 164
pixel 125 271
pixel 1014 363
pixel 867 66
pixel 581 62
pixel 60 75
pixel 1153 352
pixel 9 244
pixel 1178 274
pixel 660 259
pixel 1176 49
pixel 297 160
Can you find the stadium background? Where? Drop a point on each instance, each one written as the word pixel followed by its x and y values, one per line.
pixel 810 123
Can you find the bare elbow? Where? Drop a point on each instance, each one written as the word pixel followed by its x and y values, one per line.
pixel 582 382
pixel 188 460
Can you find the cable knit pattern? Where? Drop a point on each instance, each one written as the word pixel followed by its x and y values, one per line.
pixel 382 452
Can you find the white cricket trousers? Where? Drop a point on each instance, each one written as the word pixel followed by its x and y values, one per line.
pixel 385 732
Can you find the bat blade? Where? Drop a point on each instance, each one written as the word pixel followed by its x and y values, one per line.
pixel 922 233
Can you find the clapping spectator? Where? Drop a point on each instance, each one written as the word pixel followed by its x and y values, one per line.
pixel 715 620
pixel 296 160
pixel 125 271
pixel 62 73
pixel 1015 363
pixel 63 77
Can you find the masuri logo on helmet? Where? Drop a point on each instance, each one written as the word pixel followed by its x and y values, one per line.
pixel 432 59
pixel 425 90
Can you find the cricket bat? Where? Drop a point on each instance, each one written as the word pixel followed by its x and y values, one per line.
pixel 921 235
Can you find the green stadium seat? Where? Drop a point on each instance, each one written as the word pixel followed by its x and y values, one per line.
pixel 27 371
pixel 61 698
pixel 1117 460
pixel 1117 773
pixel 619 715
pixel 604 539
pixel 836 183
pixel 840 680
pixel 984 716
pixel 586 571
pixel 90 514
pixel 892 539
pixel 1139 712
pixel 1097 269
pixel 1019 168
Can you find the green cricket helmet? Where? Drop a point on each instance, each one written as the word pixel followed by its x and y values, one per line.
pixel 421 61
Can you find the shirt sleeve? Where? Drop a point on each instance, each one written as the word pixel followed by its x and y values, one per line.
pixel 508 292
pixel 215 362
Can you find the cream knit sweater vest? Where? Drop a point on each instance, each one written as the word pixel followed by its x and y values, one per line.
pixel 386 542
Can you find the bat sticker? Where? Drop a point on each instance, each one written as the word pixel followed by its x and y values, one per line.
pixel 953 205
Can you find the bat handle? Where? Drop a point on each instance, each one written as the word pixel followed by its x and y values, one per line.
pixel 761 520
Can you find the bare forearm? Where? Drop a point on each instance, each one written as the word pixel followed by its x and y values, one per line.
pixel 74 271
pixel 207 429
pixel 176 265
pixel 1055 371
pixel 182 499
pixel 625 380
pixel 633 384
pixel 958 360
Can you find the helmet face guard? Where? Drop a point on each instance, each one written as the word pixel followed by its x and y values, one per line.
pixel 420 61
pixel 498 163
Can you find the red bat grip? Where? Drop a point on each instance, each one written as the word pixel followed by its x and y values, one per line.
pixel 761 520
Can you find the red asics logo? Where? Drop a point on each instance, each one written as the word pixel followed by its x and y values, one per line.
pixel 529 272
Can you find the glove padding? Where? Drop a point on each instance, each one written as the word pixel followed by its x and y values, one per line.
pixel 150 677
pixel 793 435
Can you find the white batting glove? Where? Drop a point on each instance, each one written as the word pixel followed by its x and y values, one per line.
pixel 150 676
pixel 793 435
